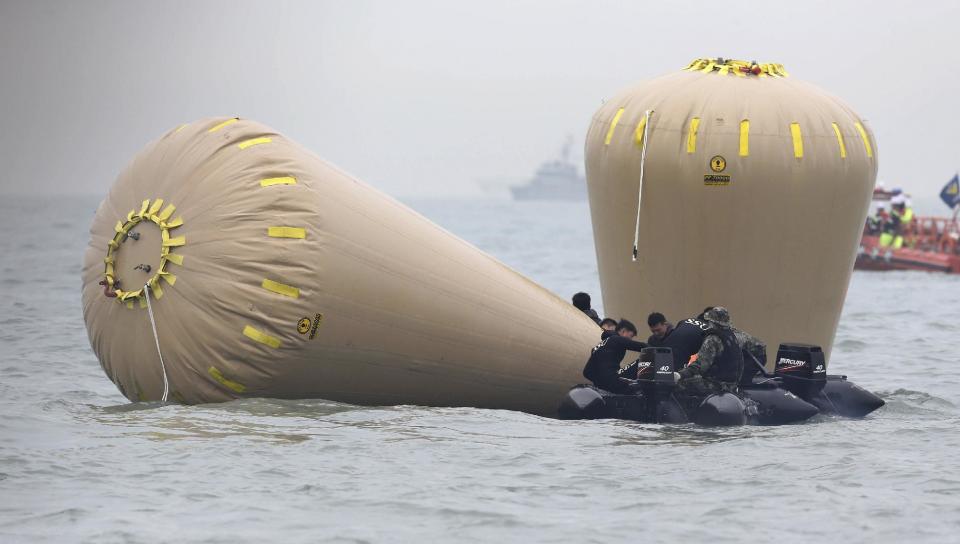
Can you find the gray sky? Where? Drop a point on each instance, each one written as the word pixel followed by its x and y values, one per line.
pixel 425 98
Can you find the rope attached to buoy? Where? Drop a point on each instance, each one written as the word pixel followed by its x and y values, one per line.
pixel 643 158
pixel 153 324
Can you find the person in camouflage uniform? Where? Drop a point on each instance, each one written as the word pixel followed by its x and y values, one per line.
pixel 750 346
pixel 718 364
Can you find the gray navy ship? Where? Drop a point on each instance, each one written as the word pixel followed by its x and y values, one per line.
pixel 558 179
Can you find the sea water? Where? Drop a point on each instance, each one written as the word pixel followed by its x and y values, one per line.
pixel 79 463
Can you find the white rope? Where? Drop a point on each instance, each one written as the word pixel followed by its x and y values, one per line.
pixel 153 324
pixel 643 159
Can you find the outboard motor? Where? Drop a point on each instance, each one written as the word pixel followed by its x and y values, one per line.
pixel 802 369
pixel 668 409
pixel 646 365
pixel 661 359
pixel 641 369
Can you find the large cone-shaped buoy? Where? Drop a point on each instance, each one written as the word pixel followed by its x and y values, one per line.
pixel 270 273
pixel 754 190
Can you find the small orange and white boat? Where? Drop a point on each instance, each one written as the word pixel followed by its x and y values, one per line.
pixel 922 242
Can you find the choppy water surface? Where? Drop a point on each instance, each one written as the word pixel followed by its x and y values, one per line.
pixel 79 463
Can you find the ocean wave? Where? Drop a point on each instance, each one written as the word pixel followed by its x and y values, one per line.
pixel 915 403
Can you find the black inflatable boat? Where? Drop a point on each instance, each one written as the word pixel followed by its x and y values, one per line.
pixel 798 389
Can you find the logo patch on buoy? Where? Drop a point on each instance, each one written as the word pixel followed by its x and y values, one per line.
pixel 718 163
pixel 303 325
pixel 716 180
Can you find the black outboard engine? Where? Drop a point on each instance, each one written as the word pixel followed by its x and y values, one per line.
pixel 803 372
pixel 641 369
pixel 661 360
pixel 802 369
pixel 667 408
pixel 646 366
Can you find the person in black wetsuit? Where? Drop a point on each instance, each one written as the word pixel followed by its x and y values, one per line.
pixel 582 302
pixel 604 362
pixel 608 324
pixel 659 328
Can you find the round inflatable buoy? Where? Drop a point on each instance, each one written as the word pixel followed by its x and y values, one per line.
pixel 730 183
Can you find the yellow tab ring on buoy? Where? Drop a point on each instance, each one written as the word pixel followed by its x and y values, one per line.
pixel 735 67
pixel 132 256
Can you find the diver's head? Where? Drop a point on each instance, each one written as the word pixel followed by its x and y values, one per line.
pixel 626 328
pixel 581 301
pixel 658 324
pixel 608 324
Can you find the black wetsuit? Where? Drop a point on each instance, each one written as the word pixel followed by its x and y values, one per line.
pixel 656 341
pixel 604 362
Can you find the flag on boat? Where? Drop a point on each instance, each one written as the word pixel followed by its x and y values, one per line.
pixel 951 192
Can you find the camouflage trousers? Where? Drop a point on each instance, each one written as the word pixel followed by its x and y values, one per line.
pixel 702 387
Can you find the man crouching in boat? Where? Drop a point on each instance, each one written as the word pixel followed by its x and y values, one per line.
pixel 709 348
pixel 604 362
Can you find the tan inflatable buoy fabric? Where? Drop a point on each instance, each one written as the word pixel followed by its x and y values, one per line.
pixel 754 193
pixel 273 274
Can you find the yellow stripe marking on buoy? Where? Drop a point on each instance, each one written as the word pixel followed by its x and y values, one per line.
pixel 613 125
pixel 254 141
pixel 797 140
pixel 745 138
pixel 843 147
pixel 278 181
pixel 287 232
pixel 226 123
pixel 280 288
pixel 641 128
pixel 229 384
pixel 865 138
pixel 261 337
pixel 692 133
